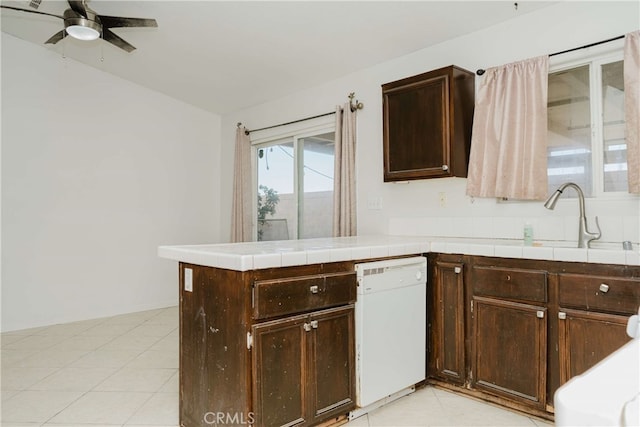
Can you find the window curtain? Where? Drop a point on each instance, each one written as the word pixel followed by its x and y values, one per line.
pixel 632 108
pixel 242 207
pixel 344 183
pixel 509 139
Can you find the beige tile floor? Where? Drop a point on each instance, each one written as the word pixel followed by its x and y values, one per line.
pixel 123 371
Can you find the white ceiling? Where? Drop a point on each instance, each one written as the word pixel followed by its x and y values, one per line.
pixel 223 56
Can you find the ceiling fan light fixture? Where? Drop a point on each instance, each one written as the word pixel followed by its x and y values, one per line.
pixel 83 29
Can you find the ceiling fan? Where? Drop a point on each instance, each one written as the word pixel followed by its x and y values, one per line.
pixel 82 23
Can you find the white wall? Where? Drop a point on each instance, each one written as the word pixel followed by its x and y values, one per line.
pixel 414 207
pixel 96 173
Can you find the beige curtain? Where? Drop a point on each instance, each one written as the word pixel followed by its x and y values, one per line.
pixel 509 139
pixel 632 108
pixel 242 213
pixel 344 183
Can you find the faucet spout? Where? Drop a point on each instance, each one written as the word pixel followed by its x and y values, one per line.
pixel 585 237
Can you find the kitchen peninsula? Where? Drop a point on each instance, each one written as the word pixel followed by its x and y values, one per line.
pixel 250 355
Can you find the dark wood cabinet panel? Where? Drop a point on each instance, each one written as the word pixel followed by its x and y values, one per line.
pixel 304 368
pixel 585 338
pixel 212 318
pixel 332 353
pixel 427 122
pixel 447 322
pixel 510 283
pixel 245 358
pixel 510 343
pixel 279 366
pixel 277 297
pixel 599 293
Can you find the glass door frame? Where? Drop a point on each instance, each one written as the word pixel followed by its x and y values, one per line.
pixel 298 166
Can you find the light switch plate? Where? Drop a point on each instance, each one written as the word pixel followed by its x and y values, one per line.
pixel 188 280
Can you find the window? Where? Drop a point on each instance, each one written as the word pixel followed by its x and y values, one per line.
pixel 295 186
pixel 586 143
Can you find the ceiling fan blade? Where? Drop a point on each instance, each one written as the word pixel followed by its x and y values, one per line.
pixel 78 6
pixel 114 39
pixel 56 37
pixel 30 11
pixel 120 21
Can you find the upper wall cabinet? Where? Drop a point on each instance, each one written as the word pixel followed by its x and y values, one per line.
pixel 427 123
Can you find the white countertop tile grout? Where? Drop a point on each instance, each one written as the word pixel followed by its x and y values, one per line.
pixel 284 253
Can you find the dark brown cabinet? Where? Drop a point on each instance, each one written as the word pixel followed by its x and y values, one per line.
pixel 510 343
pixel 446 314
pixel 585 338
pixel 427 122
pixel 272 347
pixel 593 314
pixel 303 367
pixel 511 331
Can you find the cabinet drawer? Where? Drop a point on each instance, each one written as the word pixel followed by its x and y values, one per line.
pixel 278 297
pixel 510 283
pixel 609 294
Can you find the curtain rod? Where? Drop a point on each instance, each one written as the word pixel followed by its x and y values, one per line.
pixel 247 131
pixel 353 107
pixel 481 71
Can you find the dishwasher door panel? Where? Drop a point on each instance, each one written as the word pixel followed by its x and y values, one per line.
pixel 390 341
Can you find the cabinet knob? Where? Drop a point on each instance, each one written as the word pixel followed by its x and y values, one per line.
pixel 604 288
pixel 457 270
pixel 307 327
pixel 445 167
pixel 314 289
pixel 314 324
pixel 562 315
pixel 540 314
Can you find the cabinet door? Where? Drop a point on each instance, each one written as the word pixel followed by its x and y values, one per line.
pixel 332 358
pixel 416 129
pixel 510 350
pixel 447 323
pixel 585 338
pixel 279 366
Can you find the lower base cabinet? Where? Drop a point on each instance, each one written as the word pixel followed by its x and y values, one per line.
pixel 303 367
pixel 510 358
pixel 445 314
pixel 586 338
pixel 512 331
pixel 269 348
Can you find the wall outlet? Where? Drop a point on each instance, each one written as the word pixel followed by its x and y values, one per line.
pixel 442 198
pixel 188 280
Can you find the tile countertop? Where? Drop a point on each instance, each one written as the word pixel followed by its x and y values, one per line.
pixel 286 253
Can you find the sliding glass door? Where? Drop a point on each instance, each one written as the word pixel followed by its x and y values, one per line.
pixel 295 186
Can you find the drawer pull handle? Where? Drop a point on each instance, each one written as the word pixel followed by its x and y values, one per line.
pixel 508 277
pixel 314 324
pixel 540 314
pixel 307 327
pixel 604 288
pixel 314 289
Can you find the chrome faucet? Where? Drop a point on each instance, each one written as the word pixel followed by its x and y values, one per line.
pixel 584 236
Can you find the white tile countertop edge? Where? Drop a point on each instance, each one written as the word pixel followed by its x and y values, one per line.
pixel 285 253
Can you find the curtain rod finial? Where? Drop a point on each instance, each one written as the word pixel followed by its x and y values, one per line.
pixel 357 105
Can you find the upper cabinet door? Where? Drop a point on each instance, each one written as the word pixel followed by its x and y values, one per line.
pixel 427 123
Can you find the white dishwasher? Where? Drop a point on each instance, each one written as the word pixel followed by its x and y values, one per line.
pixel 391 315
